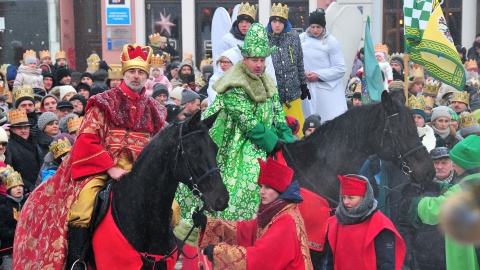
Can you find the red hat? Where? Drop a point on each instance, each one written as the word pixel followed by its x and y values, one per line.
pixel 352 185
pixel 274 174
pixel 293 124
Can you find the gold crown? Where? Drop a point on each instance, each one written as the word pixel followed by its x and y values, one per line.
pixel 474 79
pixel 206 62
pixel 416 103
pixel 74 123
pixel 188 55
pixel 466 119
pixel 471 64
pixel 431 88
pixel 155 39
pixel 136 56
pixel 3 68
pixel 23 91
pixel 247 9
pixel 60 147
pixel 44 54
pixel 279 11
pixel 396 55
pixel 17 117
pixel 115 72
pixel 429 102
pixel 60 55
pixel 29 53
pixel 416 71
pixel 157 61
pixel 93 62
pixel 92 67
pixel 11 179
pixel 461 96
pixel 381 48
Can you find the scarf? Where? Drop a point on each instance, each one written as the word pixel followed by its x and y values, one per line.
pixel 2 157
pixel 17 200
pixel 447 180
pixel 235 32
pixel 267 211
pixel 358 213
pixel 443 133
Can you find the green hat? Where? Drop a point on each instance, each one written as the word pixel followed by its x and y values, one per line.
pixel 466 153
pixel 256 42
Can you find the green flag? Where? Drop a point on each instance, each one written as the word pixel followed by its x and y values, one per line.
pixel 430 43
pixel 373 74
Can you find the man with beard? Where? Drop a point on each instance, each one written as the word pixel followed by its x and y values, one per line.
pixel 24 100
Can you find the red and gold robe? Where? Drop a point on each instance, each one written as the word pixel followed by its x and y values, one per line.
pixel 282 244
pixel 118 122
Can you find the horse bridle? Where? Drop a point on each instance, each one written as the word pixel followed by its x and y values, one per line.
pixel 402 162
pixel 194 180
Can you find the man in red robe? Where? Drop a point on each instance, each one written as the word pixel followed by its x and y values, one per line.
pixel 118 124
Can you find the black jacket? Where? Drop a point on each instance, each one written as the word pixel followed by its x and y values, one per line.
pixel 43 141
pixel 26 158
pixel 8 223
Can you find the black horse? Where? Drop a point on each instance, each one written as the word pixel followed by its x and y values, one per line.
pixel 342 145
pixel 141 200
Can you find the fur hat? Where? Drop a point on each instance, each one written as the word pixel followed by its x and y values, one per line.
pixel 158 89
pixel 396 84
pixel 313 121
pixel 439 112
pixel 62 73
pixel 274 174
pixel 466 153
pixel 189 96
pixel 353 185
pixel 317 17
pixel 46 118
pixel 65 89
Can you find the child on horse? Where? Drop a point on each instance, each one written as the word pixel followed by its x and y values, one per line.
pixel 360 236
pixel 248 244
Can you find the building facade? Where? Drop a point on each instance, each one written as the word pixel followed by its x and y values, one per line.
pixel 83 27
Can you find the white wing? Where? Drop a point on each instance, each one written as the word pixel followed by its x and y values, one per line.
pixel 330 14
pixel 235 12
pixel 221 24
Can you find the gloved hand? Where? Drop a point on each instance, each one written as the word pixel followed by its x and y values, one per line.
pixel 277 147
pixel 305 92
pixel 199 219
pixel 182 230
pixel 208 251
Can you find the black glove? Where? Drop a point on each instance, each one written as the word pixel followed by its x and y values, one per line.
pixel 199 219
pixel 277 147
pixel 208 251
pixel 305 92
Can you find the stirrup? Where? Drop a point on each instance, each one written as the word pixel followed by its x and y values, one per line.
pixel 79 261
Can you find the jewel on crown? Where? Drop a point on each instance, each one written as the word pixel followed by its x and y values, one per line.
pixel 466 119
pixel 279 10
pixel 416 103
pixel 431 87
pixel 157 61
pixel 381 48
pixel 247 9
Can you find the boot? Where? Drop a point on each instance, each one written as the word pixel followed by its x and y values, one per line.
pixel 77 238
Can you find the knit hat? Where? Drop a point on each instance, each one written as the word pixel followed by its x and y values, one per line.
pixel 158 89
pixel 439 112
pixel 317 17
pixel 466 153
pixel 83 86
pixel 47 74
pixel 46 118
pixel 293 124
pixel 256 43
pixel 65 89
pixel 397 60
pixel 80 98
pixel 274 174
pixel 177 93
pixel 3 135
pixel 62 73
pixel 313 121
pixel 30 60
pixel 172 112
pixel 439 152
pixel 188 96
pixel 86 74
pixel 353 185
pixel 11 73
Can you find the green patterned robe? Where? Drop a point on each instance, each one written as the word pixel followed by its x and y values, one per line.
pixel 245 100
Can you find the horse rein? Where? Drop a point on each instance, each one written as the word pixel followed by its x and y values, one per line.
pixel 195 181
pixel 402 163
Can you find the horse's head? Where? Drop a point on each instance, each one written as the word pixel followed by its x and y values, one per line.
pixel 198 151
pixel 396 139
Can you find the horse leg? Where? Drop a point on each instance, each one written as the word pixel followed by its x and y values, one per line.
pixel 317 257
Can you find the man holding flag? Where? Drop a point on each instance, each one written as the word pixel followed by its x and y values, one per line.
pixel 430 43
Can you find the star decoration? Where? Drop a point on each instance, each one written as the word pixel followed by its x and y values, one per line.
pixel 165 24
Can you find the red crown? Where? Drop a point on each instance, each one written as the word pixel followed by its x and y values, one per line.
pixel 274 174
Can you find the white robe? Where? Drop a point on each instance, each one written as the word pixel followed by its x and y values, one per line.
pixel 323 56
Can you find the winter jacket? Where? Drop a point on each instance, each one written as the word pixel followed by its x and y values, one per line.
pixel 8 222
pixel 29 77
pixel 288 63
pixel 43 141
pixel 25 158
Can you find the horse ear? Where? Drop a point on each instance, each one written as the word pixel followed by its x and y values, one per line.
pixel 192 123
pixel 387 102
pixel 211 119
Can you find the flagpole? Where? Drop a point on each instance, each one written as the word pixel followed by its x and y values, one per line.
pixel 406 64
